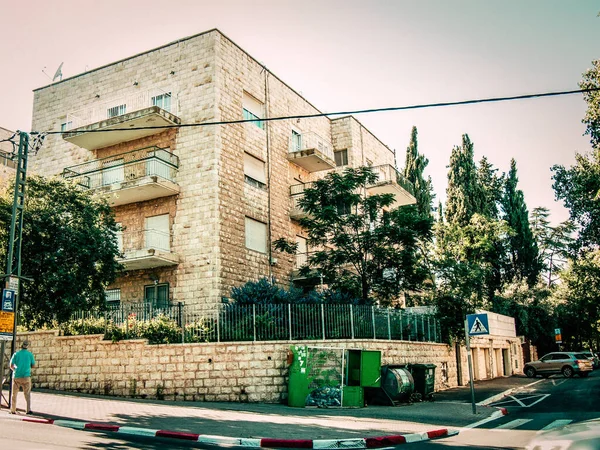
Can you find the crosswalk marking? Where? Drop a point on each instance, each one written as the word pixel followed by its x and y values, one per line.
pixel 513 424
pixel 556 424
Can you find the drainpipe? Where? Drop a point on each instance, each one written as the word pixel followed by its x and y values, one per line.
pixel 268 131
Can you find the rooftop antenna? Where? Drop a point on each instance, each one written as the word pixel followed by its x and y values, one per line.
pixel 44 72
pixel 58 73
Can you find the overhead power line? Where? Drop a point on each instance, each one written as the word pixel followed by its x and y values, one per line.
pixel 346 113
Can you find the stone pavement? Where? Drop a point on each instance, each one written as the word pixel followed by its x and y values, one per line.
pixel 251 420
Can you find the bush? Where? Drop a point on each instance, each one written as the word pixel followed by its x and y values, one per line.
pixel 83 326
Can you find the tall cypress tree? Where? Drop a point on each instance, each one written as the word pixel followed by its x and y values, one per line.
pixel 413 171
pixel 491 189
pixel 524 261
pixel 463 194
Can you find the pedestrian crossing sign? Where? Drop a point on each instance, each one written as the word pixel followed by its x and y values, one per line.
pixel 478 324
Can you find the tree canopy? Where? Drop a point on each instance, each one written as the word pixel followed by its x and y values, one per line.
pixel 68 248
pixel 414 169
pixel 358 243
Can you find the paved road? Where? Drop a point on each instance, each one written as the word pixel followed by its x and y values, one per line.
pixel 547 404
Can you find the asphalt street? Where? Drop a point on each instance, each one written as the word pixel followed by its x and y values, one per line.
pixel 533 404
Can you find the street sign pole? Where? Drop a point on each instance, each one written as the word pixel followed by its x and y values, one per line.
pixel 469 360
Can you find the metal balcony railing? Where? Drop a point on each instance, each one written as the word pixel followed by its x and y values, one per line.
pixel 121 105
pixel 387 172
pixel 130 166
pixel 309 141
pixel 132 241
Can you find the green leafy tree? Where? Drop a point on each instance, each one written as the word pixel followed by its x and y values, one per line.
pixel 463 192
pixel 591 80
pixel 361 246
pixel 414 169
pixel 69 249
pixel 578 296
pixel 523 251
pixel 554 243
pixel 579 188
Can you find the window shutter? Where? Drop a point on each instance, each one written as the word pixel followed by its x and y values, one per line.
pixel 256 235
pixel 254 168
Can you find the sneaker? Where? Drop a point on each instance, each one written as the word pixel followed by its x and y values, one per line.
pixel 12 412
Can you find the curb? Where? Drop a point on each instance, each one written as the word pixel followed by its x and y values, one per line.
pixel 360 443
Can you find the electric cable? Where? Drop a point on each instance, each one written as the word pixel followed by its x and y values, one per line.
pixel 342 113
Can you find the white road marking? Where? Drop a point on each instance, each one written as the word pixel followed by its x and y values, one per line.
pixel 537 401
pixel 556 424
pixel 513 424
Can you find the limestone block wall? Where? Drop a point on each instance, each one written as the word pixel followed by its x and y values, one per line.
pixel 233 372
pixel 492 357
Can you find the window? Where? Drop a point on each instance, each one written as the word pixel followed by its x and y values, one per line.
pixel 112 297
pixel 296 141
pixel 344 207
pixel 119 237
pixel 157 232
pixel 253 109
pixel 66 126
pixel 162 101
pixel 157 295
pixel 256 235
pixel 341 158
pixel 115 111
pixel 254 171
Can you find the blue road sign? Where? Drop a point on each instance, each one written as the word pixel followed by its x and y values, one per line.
pixel 477 324
pixel 8 300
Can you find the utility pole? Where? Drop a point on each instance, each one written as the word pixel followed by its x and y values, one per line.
pixel 13 255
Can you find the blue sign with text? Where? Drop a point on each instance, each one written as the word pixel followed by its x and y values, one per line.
pixel 477 324
pixel 8 300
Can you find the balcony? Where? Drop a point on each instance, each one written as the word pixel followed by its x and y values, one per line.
pixel 90 127
pixel 390 181
pixel 146 249
pixel 131 177
pixel 311 152
pixel 296 193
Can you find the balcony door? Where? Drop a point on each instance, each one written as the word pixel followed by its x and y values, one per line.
pixel 301 252
pixel 157 232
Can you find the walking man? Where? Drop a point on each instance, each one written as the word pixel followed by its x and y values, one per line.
pixel 21 364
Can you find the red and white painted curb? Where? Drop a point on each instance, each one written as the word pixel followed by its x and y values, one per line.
pixel 371 442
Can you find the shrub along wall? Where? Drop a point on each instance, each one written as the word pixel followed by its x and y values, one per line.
pixel 234 372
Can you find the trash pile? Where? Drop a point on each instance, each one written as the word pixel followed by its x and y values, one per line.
pixel 325 397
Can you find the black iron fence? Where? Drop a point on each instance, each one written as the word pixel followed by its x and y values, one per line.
pixel 233 322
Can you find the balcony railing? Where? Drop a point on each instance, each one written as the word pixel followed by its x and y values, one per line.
pixel 119 106
pixel 390 181
pixel 130 177
pixel 130 166
pixel 311 151
pixel 146 249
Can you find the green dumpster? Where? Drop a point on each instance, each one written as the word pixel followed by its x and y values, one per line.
pixel 298 382
pixel 424 376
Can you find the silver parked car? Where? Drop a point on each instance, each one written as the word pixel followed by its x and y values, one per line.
pixel 567 363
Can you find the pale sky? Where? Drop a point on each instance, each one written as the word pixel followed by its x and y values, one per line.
pixel 354 54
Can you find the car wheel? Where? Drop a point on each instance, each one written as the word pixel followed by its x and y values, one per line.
pixel 584 374
pixel 530 372
pixel 567 371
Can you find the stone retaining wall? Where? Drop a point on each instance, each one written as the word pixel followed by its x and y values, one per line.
pixel 231 372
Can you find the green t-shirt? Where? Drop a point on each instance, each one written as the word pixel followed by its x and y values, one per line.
pixel 23 359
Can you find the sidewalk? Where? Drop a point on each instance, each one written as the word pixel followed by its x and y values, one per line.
pixel 484 389
pixel 252 420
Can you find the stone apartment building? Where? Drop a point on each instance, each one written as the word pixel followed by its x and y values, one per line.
pixel 7 164
pixel 199 205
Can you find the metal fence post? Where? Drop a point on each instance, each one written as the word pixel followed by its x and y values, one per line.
pixel 323 319
pixel 180 319
pixel 423 326
pixel 373 317
pixel 389 327
pixel 429 328
pixel 290 319
pixel 401 326
pixel 218 324
pixel 254 319
pixel 351 322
